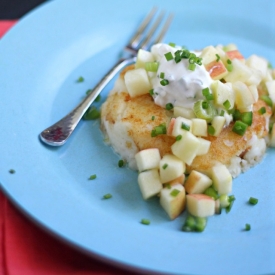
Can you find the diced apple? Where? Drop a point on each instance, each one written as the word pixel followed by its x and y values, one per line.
pixel 230 47
pixel 235 54
pixel 209 54
pixel 197 183
pixel 200 205
pixel 244 97
pixel 216 69
pixel 270 86
pixel 272 136
pixel 183 112
pixel 222 179
pixel 254 91
pixel 149 183
pixel 240 72
pixel 170 168
pixel 199 127
pixel 223 92
pixel 258 63
pixel 218 123
pixel 147 159
pixel 186 148
pixel 143 57
pixel 255 77
pixel 173 200
pixel 204 146
pixel 176 126
pixel 137 82
pixel 179 180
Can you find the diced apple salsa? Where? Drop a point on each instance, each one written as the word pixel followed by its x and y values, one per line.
pixel 206 91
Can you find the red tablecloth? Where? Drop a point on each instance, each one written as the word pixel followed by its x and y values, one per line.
pixel 25 249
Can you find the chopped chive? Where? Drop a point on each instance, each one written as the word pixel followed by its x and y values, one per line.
pixel 162 75
pixel 192 60
pixel 205 105
pixel 107 196
pixel 192 67
pixel 206 93
pixel 121 163
pixel 145 221
pixel 185 127
pixel 153 117
pixel 12 171
pixel 169 56
pixel 164 82
pixel 174 192
pixel 185 54
pixel 172 44
pixel 229 207
pixel 177 58
pixel 247 118
pixel 262 110
pixel 98 98
pixel 80 79
pixel 239 128
pixel 267 100
pixel 88 91
pixel 158 130
pixel 194 224
pixel 92 177
pixel 247 227
pixel 168 186
pixel 211 192
pixel 229 65
pixel 151 92
pixel 91 113
pixel 179 137
pixel 169 106
pixel 253 201
pixel 199 61
pixel 218 58
pixel 236 115
pixel 211 130
pixel 227 105
pixel 164 166
pixel 222 113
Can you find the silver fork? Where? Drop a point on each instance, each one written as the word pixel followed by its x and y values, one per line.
pixel 58 133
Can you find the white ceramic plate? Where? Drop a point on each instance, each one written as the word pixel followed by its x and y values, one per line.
pixel 41 58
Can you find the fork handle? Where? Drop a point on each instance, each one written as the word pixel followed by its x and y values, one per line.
pixel 58 133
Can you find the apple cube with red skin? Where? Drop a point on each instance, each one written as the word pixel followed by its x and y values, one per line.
pixel 197 183
pixel 235 54
pixel 147 159
pixel 173 200
pixel 222 179
pixel 200 205
pixel 170 168
pixel 179 180
pixel 175 126
pixel 209 54
pixel 216 69
pixel 149 183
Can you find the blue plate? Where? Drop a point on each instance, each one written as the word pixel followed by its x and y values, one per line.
pixel 41 58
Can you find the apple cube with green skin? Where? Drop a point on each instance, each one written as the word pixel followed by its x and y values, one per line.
pixel 218 123
pixel 142 58
pixel 204 146
pixel 197 183
pixel 147 159
pixel 270 86
pixel 175 126
pixel 186 148
pixel 173 200
pixel 222 179
pixel 199 127
pixel 170 168
pixel 240 72
pixel 208 55
pixel 243 96
pixel 223 92
pixel 258 63
pixel 149 183
pixel 184 112
pixel 137 82
pixel 200 205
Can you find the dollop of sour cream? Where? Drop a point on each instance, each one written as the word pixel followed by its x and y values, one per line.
pixel 185 86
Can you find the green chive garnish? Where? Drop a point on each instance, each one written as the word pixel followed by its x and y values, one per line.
pixel 229 65
pixel 169 106
pixel 247 227
pixel 162 75
pixel 145 221
pixel 92 177
pixel 168 56
pixel 158 130
pixel 267 100
pixel 253 201
pixel 12 171
pixel 211 130
pixel 206 93
pixel 121 163
pixel 153 117
pixel 227 104
pixel 164 82
pixel 174 192
pixel 239 128
pixel 172 44
pixel 91 113
pixel 151 66
pixel 247 118
pixel 211 192
pixel 151 92
pixel 218 58
pixel 192 67
pixel 179 137
pixel 107 196
pixel 164 166
pixel 262 110
pixel 185 127
pixel 80 79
